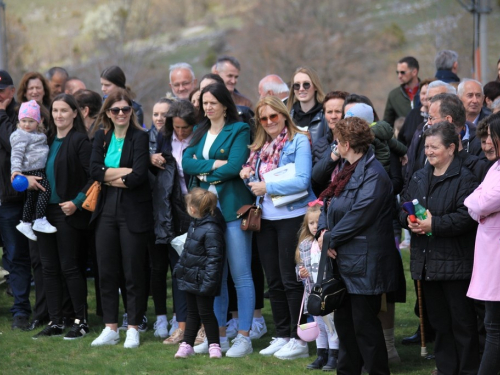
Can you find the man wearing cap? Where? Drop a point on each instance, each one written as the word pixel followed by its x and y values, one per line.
pixel 16 257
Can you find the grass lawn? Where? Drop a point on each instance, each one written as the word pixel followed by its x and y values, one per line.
pixel 19 354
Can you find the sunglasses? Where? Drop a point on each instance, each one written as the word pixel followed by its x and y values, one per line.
pixel 305 85
pixel 125 110
pixel 273 118
pixel 402 72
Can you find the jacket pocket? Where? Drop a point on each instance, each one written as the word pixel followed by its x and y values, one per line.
pixel 352 257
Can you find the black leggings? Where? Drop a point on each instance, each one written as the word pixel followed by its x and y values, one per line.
pixel 200 309
pixel 36 198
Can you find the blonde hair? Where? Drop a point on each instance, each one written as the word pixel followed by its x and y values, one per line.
pixel 304 232
pixel 261 137
pixel 319 95
pixel 202 200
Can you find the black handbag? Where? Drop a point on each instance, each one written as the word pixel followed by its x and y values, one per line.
pixel 326 295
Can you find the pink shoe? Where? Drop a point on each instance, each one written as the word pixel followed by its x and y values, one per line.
pixel 215 351
pixel 185 350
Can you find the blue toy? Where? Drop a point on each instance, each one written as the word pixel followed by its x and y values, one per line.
pixel 20 183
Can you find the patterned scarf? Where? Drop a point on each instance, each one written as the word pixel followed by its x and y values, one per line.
pixel 340 181
pixel 269 154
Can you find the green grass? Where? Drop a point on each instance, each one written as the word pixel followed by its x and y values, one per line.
pixel 19 354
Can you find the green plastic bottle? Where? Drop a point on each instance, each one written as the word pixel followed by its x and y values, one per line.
pixel 420 212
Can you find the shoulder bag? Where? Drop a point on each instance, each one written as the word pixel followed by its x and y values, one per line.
pixel 309 331
pixel 326 295
pixel 90 203
pixel 251 215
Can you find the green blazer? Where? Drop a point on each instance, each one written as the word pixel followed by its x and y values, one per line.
pixel 231 145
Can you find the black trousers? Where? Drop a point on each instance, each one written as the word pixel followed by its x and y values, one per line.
pixel 60 257
pixel 162 257
pixel 277 241
pixel 453 317
pixel 361 336
pixel 200 310
pixel 258 281
pixel 40 310
pixel 490 364
pixel 120 251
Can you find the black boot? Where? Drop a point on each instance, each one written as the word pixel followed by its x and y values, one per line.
pixel 331 364
pixel 320 361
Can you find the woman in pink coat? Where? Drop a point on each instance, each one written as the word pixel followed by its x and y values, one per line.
pixel 484 207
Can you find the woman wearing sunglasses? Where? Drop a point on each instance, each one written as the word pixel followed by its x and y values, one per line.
pixel 218 150
pixel 279 142
pixel 123 216
pixel 305 103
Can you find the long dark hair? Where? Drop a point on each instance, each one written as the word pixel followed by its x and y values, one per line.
pixel 116 76
pixel 223 95
pixel 179 108
pixel 112 98
pixel 23 88
pixel 493 122
pixel 78 122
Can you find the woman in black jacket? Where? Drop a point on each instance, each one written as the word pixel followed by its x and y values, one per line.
pixel 67 171
pixel 442 249
pixel 170 216
pixel 358 212
pixel 123 216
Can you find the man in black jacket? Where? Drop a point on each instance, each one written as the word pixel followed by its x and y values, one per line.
pixel 16 257
pixel 447 66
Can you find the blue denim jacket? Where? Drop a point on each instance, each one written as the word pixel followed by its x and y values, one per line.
pixel 297 151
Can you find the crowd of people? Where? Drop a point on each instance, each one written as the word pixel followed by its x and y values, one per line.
pixel 328 175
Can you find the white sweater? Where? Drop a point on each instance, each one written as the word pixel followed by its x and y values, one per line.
pixel 29 151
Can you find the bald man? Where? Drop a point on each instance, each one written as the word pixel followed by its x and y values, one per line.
pixel 273 85
pixel 73 84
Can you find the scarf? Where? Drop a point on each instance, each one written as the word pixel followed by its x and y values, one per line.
pixel 340 181
pixel 269 154
pixel 302 118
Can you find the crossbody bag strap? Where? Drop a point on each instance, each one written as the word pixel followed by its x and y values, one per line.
pixel 322 261
pixel 258 200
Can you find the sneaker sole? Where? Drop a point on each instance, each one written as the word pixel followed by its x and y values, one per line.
pixel 269 354
pixel 74 338
pixel 304 355
pixel 240 355
pixel 106 343
pixel 39 337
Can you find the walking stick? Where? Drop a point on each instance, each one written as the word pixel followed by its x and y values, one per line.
pixel 423 348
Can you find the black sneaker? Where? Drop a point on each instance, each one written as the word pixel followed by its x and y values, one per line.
pixel 143 327
pixel 50 330
pixel 36 323
pixel 20 322
pixel 77 331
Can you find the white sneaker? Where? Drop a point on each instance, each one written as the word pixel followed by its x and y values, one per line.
pixel 173 326
pixel 241 347
pixel 161 329
pixel 259 329
pixel 203 347
pixel 124 325
pixel 232 328
pixel 107 337
pixel 42 225
pixel 132 340
pixel 25 228
pixel 276 344
pixel 294 349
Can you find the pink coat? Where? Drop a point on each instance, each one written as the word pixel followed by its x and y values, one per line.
pixel 484 207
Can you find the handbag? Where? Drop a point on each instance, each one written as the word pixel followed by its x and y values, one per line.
pixel 309 331
pixel 250 215
pixel 326 295
pixel 92 194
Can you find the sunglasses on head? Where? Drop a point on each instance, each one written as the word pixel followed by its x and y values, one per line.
pixel 125 110
pixel 305 85
pixel 273 118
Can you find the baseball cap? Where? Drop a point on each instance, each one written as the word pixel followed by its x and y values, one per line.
pixel 5 80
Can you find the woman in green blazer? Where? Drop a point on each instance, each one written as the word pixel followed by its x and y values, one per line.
pixel 218 150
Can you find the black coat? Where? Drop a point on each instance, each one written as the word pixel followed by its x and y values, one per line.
pixel 71 169
pixel 169 207
pixel 136 199
pixel 322 169
pixel 360 220
pixel 199 270
pixel 449 253
pixel 412 121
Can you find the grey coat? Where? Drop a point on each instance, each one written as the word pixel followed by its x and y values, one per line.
pixel 29 151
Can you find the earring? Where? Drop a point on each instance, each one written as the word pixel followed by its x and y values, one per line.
pixel 225 114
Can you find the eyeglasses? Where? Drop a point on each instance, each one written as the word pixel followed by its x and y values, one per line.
pixel 273 118
pixel 305 85
pixel 402 72
pixel 125 110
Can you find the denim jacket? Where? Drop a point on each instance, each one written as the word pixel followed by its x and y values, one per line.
pixel 297 151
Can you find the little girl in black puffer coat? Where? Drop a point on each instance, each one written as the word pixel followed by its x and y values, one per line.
pixel 199 270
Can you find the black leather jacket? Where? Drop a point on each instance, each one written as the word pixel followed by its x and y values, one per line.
pixel 317 128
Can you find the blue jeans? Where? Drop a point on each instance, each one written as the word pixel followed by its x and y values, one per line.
pixel 239 258
pixel 490 363
pixel 17 256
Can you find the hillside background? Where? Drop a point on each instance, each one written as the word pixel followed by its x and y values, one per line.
pixel 354 45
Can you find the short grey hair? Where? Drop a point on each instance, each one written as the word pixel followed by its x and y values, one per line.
pixel 460 89
pixel 181 65
pixel 277 88
pixel 496 104
pixel 449 88
pixel 229 59
pixel 445 59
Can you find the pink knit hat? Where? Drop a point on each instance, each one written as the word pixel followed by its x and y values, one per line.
pixel 30 109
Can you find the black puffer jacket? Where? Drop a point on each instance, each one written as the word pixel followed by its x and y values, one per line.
pixel 199 270
pixel 360 220
pixel 449 253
